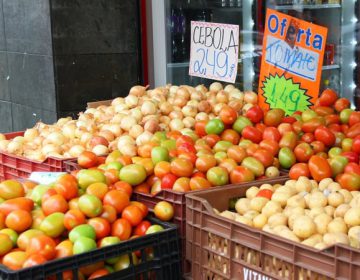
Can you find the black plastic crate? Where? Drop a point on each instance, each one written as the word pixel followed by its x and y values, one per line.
pixel 164 265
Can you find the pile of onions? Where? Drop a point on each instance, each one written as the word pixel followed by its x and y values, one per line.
pixel 129 121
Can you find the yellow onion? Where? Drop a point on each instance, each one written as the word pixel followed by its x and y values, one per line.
pixel 100 150
pixel 120 108
pixel 131 101
pixel 201 89
pixel 144 138
pixel 135 131
pixel 30 134
pixel 180 101
pixel 222 97
pixel 236 105
pixel 204 106
pixel 56 138
pixel 126 139
pixel 76 150
pixel 115 129
pixel 68 130
pixel 176 115
pixel 19 139
pixel 229 88
pixel 50 148
pixel 128 150
pixel 176 124
pixel 85 138
pixel 117 101
pixel 151 125
pixel 216 86
pixel 218 108
pixel 127 122
pixel 250 97
pixel 117 118
pixel 246 107
pixel 183 93
pixel 39 140
pixel 173 90
pixel 136 113
pixel 189 111
pixel 202 117
pixel 3 144
pixel 138 90
pixel 189 122
pixel 148 108
pixel 107 134
pixel 164 120
pixel 2 137
pixel 166 108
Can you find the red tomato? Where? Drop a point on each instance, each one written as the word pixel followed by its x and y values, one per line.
pixel 188 156
pixel 351 156
pixel 228 115
pixel 261 127
pixel 118 199
pixel 356 144
pixel 265 193
pixel 264 157
pixel 67 186
pixel 168 181
pixel 354 118
pixel 308 137
pixel 352 167
pixel 101 226
pixel 341 104
pixel 353 131
pixel 271 133
pixel 198 174
pixel 252 134
pixel 323 110
pixel 19 203
pixel 109 213
pixel 317 146
pixel 255 114
pixel 34 260
pixel 231 136
pixel 290 120
pixel 99 273
pixel 313 124
pixel 303 152
pixel 324 135
pixel 55 203
pixel 133 214
pixel 200 128
pixel 184 139
pixel 319 168
pixel 271 146
pixel 284 127
pixel 73 218
pixel 335 127
pixel 87 159
pixel 122 229
pixel 299 169
pixel 187 148
pixel 141 228
pixel 240 175
pixel 297 126
pixel 212 139
pixel 48 194
pixel 273 117
pixel 181 167
pixel 43 245
pixel 330 119
pixel 327 97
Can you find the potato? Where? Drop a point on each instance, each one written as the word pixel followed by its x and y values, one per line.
pixel 347 195
pixel 323 184
pixel 334 238
pixel 341 210
pixel 271 208
pixel 288 211
pixel 242 205
pixel 257 203
pixel 260 221
pixel 304 227
pixel 337 226
pixel 251 214
pixel 228 214
pixel 354 236
pixel 329 210
pixel 352 216
pixel 292 219
pixel 286 189
pixel 252 192
pixel 280 228
pixel 313 240
pixel 314 184
pixel 216 211
pixel 267 187
pixel 288 234
pixel 243 220
pixel 335 199
pixel 320 246
pixel 296 201
pixel 277 220
pixel 316 211
pixel 334 186
pixel 317 199
pixel 355 202
pixel 303 184
pixel 276 186
pixel 268 228
pixel 290 183
pixel 281 197
pixel 355 193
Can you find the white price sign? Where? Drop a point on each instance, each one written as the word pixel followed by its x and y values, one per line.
pixel 214 51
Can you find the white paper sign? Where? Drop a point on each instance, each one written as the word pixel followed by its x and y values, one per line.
pixel 214 51
pixel 45 177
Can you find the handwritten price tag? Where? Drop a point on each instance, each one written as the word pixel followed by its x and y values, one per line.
pixel 214 51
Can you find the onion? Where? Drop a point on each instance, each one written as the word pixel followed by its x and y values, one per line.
pixel 131 101
pixel 189 122
pixel 166 108
pixel 128 150
pixel 38 140
pixel 148 108
pixel 138 90
pixel 164 120
pixel 136 113
pixel 229 88
pixel 4 144
pixel 107 134
pixel 117 118
pixel 236 105
pixel 201 89
pixel 144 138
pixel 63 121
pixel 120 108
pixel 109 111
pixel 30 134
pixel 151 125
pixel 222 97
pixel 115 129
pixel 135 131
pixel 204 106
pixel 183 93
pixel 180 101
pixel 196 96
pixel 250 97
pixel 127 122
pixel 85 137
pixel 218 108
pixel 216 86
pixel 164 127
pixel 2 137
pixel 126 139
pixel 56 138
pixel 76 150
pixel 100 150
pixel 176 124
pixel 189 111
pixel 88 111
pixel 19 139
pixel 113 145
pixel 69 130
pixel 202 117
pixel 176 115
pixel 50 148
pixel 118 101
pixel 194 103
pixel 173 90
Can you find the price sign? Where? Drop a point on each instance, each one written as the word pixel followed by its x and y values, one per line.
pixel 293 52
pixel 45 177
pixel 214 51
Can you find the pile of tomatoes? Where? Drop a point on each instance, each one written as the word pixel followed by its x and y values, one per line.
pixel 74 215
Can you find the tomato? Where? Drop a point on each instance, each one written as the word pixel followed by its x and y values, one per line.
pixel 48 194
pixel 265 193
pixel 118 199
pixel 311 125
pixel 64 249
pixel 341 104
pixel 212 139
pixel 354 118
pixel 11 233
pixel 200 128
pixel 335 127
pixel 121 228
pixel 161 169
pixel 33 260
pixel 236 153
pixel 53 225
pixel 90 205
pixel 228 115
pixel 308 137
pixel 73 218
pixel 109 213
pixel 319 168
pixel 352 167
pixel 15 260
pixel 112 176
pixel 303 152
pixel 345 115
pixel 98 189
pixel 5 244
pixel 182 184
pixel 289 120
pixel 55 203
pixel 87 159
pixel 164 211
pixel 101 226
pixel 87 177
pixel 241 174
pixel 134 174
pixel 349 181
pixel 240 123
pixel 11 189
pixel 74 204
pixel 199 183
pixel 19 203
pixel 84 230
pixel 230 135
pixel 217 176
pixel 43 245
pixel 323 110
pixel 83 245
pixel 353 131
pixel 334 151
pixel 269 145
pixel 271 133
pixel 141 228
pixel 289 140
pixel 299 169
pixel 214 126
pixel 273 117
pixel 19 220
pixel 25 237
pixel 317 146
pixel 327 97
pixel 99 273
pixel 144 187
pixel 351 156
pixel 284 127
pixel 133 214
pixel 67 186
pixel 255 114
pixel 338 164
pixel 189 157
pixel 168 181
pixel 296 126
pixel 181 167
pixel 159 154
pixel 324 135
pixel 286 157
pixel 253 134
pixel 264 157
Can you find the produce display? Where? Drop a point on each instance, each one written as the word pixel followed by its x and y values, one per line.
pixel 39 223
pixel 315 214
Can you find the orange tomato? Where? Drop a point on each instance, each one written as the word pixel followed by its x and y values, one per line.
pixel 73 218
pixel 173 134
pixel 109 213
pixel 29 185
pixel 231 136
pixel 64 249
pixel 55 203
pixel 98 189
pixel 74 204
pixel 181 167
pixel 43 245
pixel 164 211
pixel 212 139
pixel 101 226
pixel 15 260
pixel 67 186
pixel 319 168
pixel 188 156
pixel 144 209
pixel 270 146
pixel 87 159
pixel 161 169
pixel 133 214
pixel 99 273
pixel 118 199
pixel 264 157
pixel 182 185
pixel 121 228
pixel 144 151
pixel 236 153
pixel 299 169
pixel 19 203
pixel 125 160
pixel 148 165
pixel 199 183
pixel 123 186
pixel 19 220
pixel 205 162
pixel 228 115
pixel 112 176
pixel 34 260
pixel 91 268
pixel 2 220
pixel 229 164
pixel 142 188
pixel 184 139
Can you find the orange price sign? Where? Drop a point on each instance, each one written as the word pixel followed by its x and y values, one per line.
pixel 292 59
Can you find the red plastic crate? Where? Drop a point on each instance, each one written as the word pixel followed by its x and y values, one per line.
pixel 17 167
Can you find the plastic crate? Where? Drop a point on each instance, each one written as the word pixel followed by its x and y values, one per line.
pixel 164 265
pixel 220 248
pixel 17 167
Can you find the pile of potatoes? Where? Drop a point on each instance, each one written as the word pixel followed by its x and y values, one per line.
pixel 315 214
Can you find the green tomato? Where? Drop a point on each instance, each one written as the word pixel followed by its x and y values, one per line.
pixel 159 154
pixel 159 136
pixel 87 177
pixel 83 244
pixel 11 233
pixel 217 176
pixel 108 241
pixel 103 166
pixel 334 151
pixel 169 144
pixel 53 225
pixel 286 157
pixel 124 262
pixel 153 229
pixel 346 144
pixel 114 165
pixel 84 230
pixel 222 146
pixel 113 156
pixel 220 156
pixel 337 164
pixel 245 143
pixel 38 192
pixel 345 115
pixel 214 126
pixel 109 268
pixel 307 115
pixel 134 174
pixel 190 133
pixel 90 205
pixel 254 165
pixel 6 244
pixel 240 123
